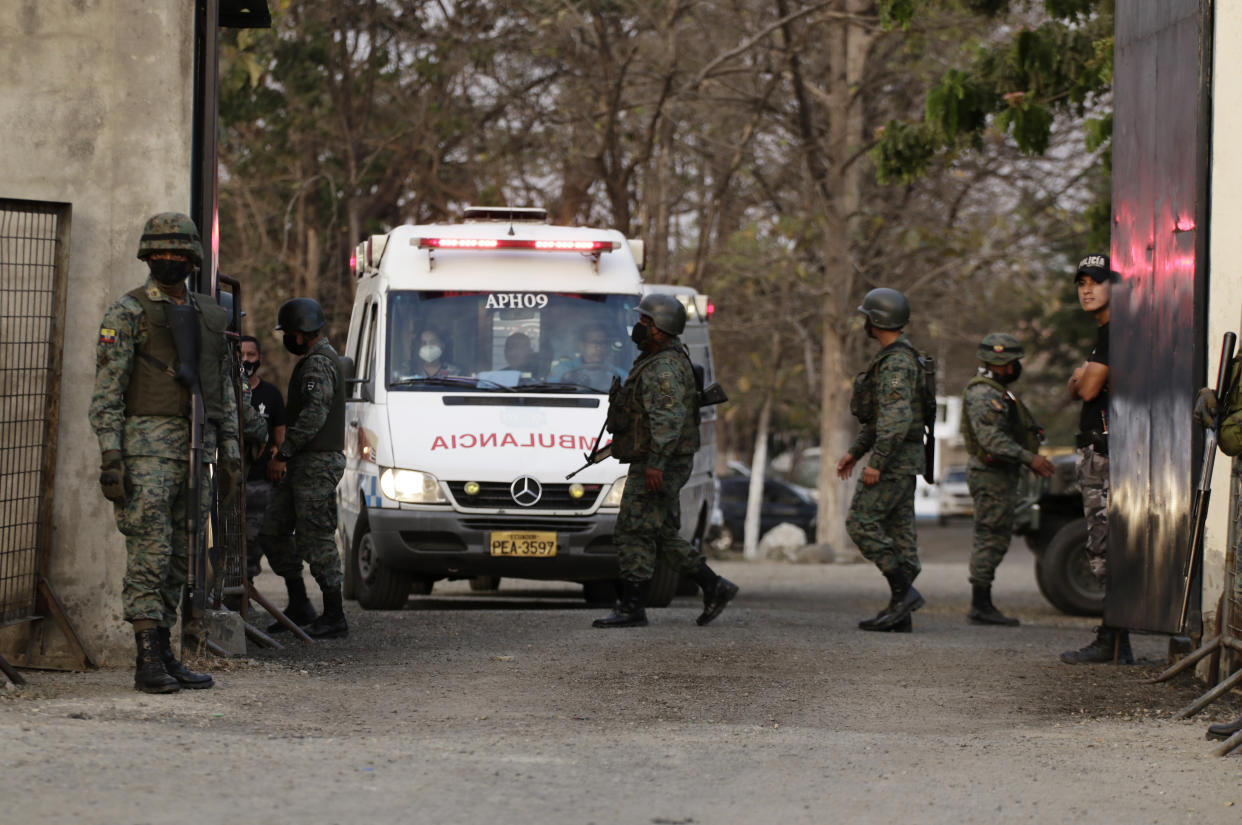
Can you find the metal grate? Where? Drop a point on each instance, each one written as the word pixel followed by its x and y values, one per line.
pixel 32 283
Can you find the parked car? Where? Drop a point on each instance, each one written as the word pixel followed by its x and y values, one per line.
pixel 783 503
pixel 1049 516
pixel 954 497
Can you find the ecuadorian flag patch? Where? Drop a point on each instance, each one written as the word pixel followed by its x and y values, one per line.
pixel 107 336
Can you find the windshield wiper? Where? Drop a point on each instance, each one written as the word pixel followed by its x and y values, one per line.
pixel 450 381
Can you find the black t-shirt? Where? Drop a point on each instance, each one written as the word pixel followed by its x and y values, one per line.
pixel 1094 416
pixel 266 398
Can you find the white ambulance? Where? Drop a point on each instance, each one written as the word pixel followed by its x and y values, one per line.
pixel 482 356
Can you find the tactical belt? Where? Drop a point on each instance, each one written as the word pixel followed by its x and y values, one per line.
pixel 1097 440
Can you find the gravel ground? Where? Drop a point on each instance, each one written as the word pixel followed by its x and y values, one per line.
pixel 509 707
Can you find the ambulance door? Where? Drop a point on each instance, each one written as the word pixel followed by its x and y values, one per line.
pixel 360 468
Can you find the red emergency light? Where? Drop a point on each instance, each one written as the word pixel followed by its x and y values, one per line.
pixel 508 243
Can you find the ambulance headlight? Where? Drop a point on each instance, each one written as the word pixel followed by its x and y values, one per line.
pixel 613 499
pixel 411 486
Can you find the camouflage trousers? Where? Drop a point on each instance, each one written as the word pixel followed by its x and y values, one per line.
pixel 881 523
pixel 152 519
pixel 650 522
pixel 258 495
pixel 995 492
pixel 1093 481
pixel 300 521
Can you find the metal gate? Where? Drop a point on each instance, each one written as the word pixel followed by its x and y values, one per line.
pixel 34 254
pixel 1160 133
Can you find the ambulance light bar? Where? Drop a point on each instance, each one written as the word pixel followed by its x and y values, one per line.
pixel 505 243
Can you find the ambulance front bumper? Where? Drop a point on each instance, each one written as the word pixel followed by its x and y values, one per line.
pixel 449 544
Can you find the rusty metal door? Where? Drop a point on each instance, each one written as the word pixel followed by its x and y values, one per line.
pixel 33 257
pixel 1156 330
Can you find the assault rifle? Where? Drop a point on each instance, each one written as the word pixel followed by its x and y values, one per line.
pixel 1224 385
pixel 597 453
pixel 187 339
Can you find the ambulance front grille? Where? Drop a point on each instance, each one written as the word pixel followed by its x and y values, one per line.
pixel 498 495
pixel 487 524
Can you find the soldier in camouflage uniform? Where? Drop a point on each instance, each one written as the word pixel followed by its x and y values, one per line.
pixel 1090 385
pixel 887 402
pixel 300 522
pixel 141 415
pixel 1001 437
pixel 654 419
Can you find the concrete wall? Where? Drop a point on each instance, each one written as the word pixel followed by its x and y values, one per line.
pixel 1225 257
pixel 95 111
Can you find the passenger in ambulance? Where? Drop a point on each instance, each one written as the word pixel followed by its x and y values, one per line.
pixel 592 365
pixel 520 355
pixel 429 359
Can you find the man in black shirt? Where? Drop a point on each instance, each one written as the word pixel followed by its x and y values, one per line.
pixel 265 397
pixel 1090 384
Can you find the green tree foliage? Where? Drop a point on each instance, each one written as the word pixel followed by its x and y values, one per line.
pixel 1018 83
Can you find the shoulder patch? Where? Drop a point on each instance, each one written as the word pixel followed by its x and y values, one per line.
pixel 996 405
pixel 311 383
pixel 107 336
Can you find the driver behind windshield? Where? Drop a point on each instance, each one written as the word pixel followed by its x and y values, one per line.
pixel 590 366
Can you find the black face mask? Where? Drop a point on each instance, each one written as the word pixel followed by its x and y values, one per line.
pixel 640 335
pixel 1012 376
pixel 168 272
pixel 250 367
pixel 291 344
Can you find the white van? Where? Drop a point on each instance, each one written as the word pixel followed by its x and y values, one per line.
pixel 474 394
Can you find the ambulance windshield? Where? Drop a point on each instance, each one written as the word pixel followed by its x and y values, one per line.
pixel 506 341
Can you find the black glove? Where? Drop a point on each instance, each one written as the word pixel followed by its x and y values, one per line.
pixel 228 474
pixel 116 487
pixel 1206 407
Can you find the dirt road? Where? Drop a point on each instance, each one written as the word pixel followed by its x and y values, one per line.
pixel 510 708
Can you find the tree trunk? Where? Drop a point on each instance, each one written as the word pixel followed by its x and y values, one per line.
pixel 754 494
pixel 848 47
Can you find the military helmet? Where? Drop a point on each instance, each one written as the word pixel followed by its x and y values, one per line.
pixel 1000 348
pixel 665 312
pixel 300 315
pixel 170 232
pixel 886 308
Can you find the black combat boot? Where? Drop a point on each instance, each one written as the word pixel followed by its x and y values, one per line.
pixel 150 675
pixel 300 610
pixel 717 591
pixel 332 624
pixel 905 601
pixel 1109 643
pixel 184 676
pixel 629 611
pixel 982 611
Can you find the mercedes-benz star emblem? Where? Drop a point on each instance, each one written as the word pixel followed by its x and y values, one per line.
pixel 526 491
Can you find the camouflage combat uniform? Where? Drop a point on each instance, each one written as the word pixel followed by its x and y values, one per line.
pixel 300 522
pixel 1001 438
pixel 665 406
pixel 1093 474
pixel 156 451
pixel 881 517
